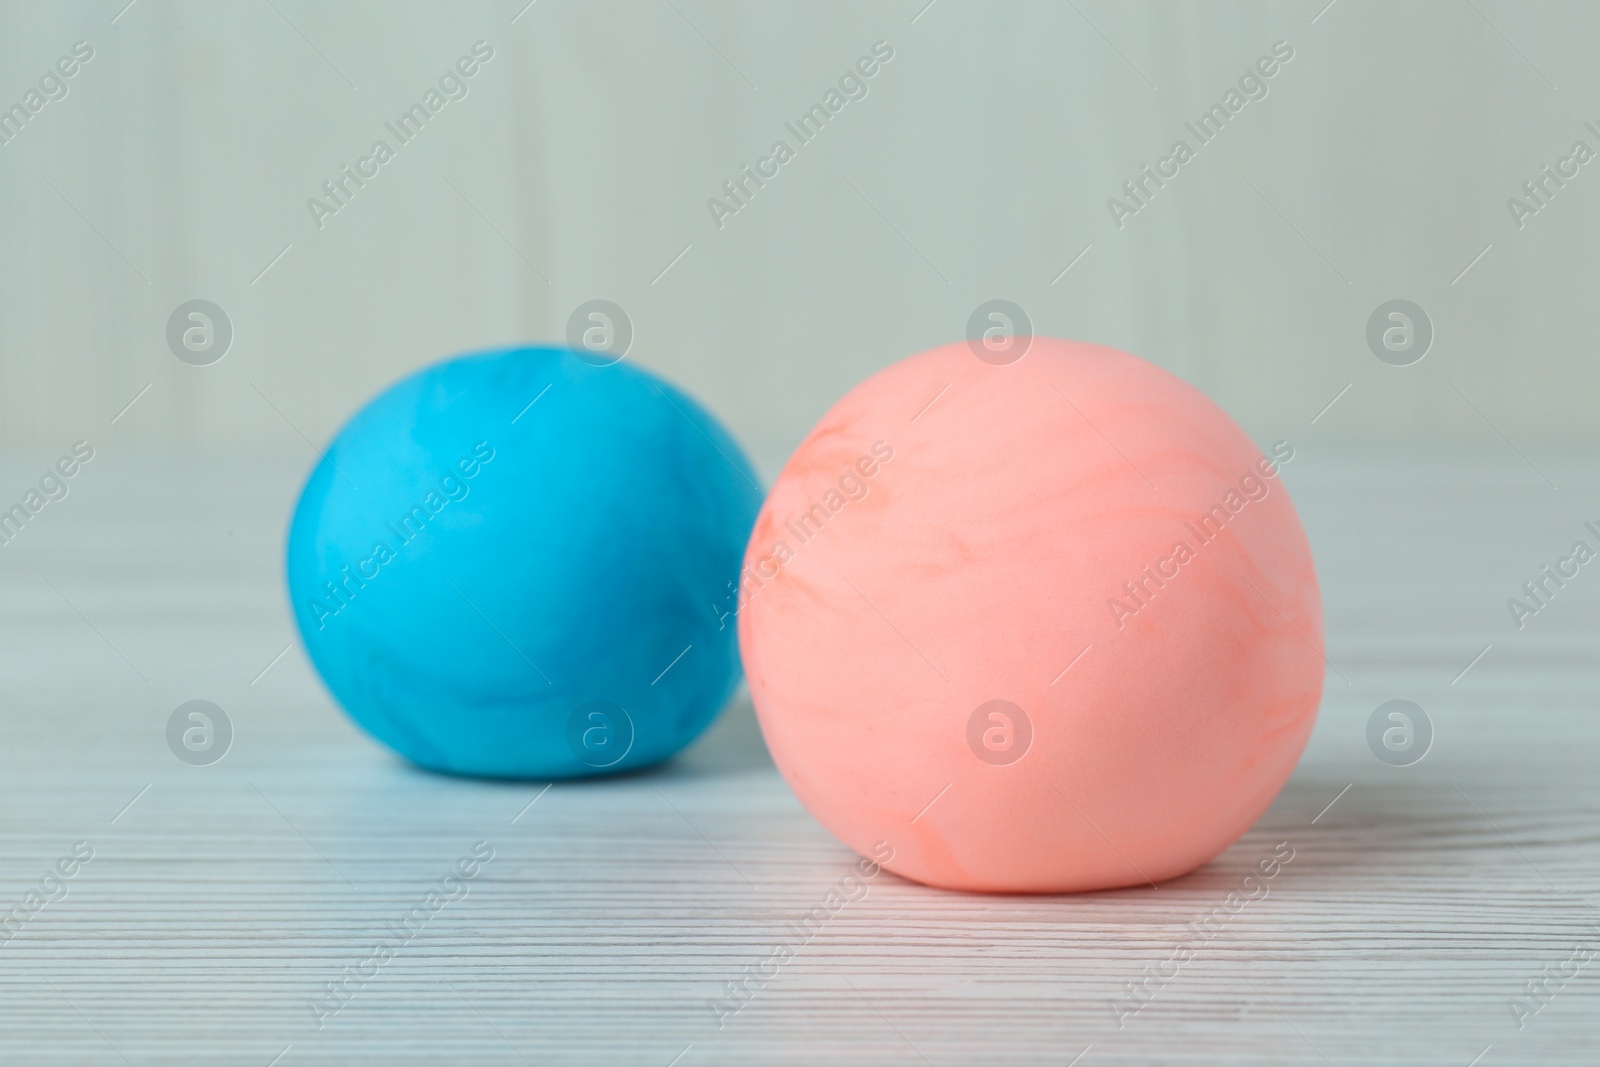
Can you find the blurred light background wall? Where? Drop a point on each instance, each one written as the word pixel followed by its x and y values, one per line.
pixel 978 165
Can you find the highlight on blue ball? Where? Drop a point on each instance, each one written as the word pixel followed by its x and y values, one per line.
pixel 519 564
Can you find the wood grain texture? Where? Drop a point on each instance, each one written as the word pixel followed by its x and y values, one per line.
pixel 221 901
pixel 181 164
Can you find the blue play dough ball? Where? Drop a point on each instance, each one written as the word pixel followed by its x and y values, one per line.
pixel 520 564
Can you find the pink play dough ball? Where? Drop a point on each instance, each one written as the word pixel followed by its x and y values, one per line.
pixel 955 533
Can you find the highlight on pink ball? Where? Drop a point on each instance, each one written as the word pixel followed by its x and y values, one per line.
pixel 1035 626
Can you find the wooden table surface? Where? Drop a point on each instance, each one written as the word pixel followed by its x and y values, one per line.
pixel 221 900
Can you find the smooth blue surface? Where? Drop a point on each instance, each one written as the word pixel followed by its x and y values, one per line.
pixel 517 574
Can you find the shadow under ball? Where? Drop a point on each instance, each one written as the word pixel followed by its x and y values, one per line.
pixel 520 564
pixel 974 642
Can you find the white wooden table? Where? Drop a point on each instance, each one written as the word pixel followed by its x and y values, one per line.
pixel 221 900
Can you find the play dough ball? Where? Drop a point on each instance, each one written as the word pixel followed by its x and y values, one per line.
pixel 1036 627
pixel 520 564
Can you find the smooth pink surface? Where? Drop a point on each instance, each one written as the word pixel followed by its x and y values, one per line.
pixel 975 564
